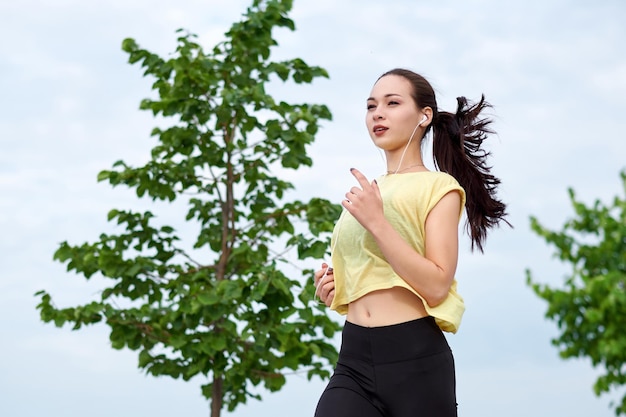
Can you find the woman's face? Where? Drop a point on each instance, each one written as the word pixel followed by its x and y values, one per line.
pixel 392 115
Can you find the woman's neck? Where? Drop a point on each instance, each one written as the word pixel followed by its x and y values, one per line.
pixel 408 168
pixel 399 160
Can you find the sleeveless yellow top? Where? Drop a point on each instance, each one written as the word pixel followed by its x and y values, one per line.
pixel 359 265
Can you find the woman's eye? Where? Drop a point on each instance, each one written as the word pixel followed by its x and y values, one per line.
pixel 391 103
pixel 370 106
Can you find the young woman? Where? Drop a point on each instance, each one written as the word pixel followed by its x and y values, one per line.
pixel 394 254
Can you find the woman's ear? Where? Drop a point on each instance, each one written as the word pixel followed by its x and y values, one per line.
pixel 427 118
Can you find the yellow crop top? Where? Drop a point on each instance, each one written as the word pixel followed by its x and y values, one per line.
pixel 359 265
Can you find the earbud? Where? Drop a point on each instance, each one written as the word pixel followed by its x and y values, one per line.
pixel 423 120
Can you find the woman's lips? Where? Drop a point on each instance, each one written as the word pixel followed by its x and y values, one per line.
pixel 379 130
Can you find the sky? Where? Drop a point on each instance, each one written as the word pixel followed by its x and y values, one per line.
pixel 554 71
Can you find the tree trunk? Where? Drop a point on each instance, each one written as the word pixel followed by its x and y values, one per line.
pixel 216 397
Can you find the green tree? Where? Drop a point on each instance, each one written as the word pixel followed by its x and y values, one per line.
pixel 220 307
pixel 590 310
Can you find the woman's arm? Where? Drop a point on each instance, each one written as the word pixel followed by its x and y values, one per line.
pixel 430 275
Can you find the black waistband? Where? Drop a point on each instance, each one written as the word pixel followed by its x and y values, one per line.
pixel 397 342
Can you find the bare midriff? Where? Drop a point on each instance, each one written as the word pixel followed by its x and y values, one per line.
pixel 386 307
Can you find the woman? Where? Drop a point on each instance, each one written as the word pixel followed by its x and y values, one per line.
pixel 394 253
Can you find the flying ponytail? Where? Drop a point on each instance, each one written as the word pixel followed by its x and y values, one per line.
pixel 457 150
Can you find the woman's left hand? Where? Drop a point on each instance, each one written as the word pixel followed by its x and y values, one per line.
pixel 324 280
pixel 364 203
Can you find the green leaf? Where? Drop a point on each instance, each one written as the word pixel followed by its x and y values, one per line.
pixel 208 298
pixel 103 175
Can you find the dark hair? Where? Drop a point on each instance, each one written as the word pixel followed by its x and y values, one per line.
pixel 457 140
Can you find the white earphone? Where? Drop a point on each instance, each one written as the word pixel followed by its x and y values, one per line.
pixel 423 120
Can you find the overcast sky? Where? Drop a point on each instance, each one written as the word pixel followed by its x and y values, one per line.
pixel 555 72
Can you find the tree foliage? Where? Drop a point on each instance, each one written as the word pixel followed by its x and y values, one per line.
pixel 590 310
pixel 218 306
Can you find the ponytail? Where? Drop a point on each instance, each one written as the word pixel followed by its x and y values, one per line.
pixel 457 140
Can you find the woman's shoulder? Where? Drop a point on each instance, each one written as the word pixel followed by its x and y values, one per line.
pixel 444 178
pixel 433 177
pixel 435 184
pixel 420 185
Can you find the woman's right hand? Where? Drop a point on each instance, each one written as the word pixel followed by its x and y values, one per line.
pixel 325 284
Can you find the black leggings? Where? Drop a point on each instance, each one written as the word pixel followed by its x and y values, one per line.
pixel 402 370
